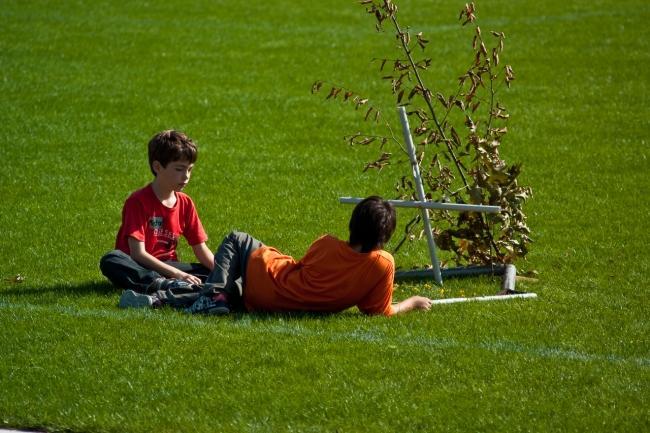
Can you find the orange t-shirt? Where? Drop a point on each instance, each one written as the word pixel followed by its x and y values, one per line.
pixel 331 277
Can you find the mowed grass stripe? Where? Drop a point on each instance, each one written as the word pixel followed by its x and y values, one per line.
pixel 296 329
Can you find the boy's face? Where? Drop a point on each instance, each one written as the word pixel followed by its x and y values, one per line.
pixel 175 176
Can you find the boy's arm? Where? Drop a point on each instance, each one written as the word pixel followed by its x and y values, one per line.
pixel 139 254
pixel 204 255
pixel 412 303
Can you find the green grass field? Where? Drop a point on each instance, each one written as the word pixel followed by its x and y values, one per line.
pixel 84 86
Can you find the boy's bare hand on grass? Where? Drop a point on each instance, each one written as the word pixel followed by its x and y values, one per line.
pixel 421 303
pixel 413 303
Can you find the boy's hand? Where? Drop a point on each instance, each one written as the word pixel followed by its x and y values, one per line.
pixel 192 279
pixel 421 303
pixel 139 254
pixel 413 303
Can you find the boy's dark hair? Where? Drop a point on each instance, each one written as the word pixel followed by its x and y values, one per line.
pixel 170 145
pixel 372 223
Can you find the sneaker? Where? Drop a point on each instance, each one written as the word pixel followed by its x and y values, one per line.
pixel 214 305
pixel 131 299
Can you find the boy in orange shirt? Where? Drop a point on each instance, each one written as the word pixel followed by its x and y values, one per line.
pixel 332 276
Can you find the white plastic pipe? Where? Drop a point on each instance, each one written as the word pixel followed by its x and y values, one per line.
pixel 484 298
pixel 509 277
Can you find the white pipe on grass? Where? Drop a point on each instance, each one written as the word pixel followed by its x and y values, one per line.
pixel 484 298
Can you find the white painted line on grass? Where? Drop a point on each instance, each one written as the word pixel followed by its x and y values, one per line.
pixel 299 331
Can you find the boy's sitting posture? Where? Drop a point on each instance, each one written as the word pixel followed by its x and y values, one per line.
pixel 332 276
pixel 153 219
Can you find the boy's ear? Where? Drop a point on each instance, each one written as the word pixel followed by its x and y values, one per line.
pixel 156 166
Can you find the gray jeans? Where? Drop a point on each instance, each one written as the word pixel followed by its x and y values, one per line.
pixel 230 262
pixel 228 275
pixel 126 273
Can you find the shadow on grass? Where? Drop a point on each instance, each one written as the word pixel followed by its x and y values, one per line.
pixel 95 288
pixel 289 316
pixel 83 289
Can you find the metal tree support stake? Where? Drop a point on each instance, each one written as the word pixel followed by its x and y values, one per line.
pixel 415 168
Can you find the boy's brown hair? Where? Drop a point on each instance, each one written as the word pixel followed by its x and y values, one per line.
pixel 170 145
pixel 372 223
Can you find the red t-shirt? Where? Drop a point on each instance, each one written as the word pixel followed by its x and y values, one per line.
pixel 331 277
pixel 146 219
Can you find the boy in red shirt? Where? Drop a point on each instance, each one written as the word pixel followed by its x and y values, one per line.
pixel 153 219
pixel 332 276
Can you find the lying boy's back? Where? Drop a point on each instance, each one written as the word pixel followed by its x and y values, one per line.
pixel 331 277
